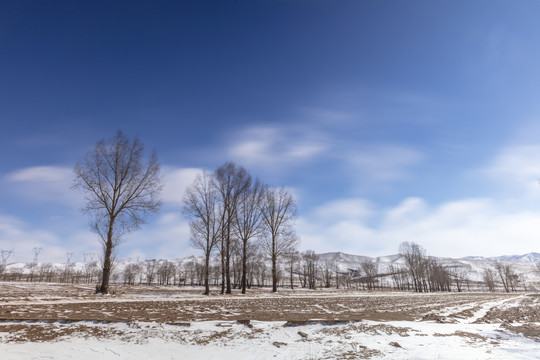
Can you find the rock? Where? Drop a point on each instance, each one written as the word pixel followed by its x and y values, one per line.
pixel 279 344
pixel 303 334
pixel 245 323
pixel 395 344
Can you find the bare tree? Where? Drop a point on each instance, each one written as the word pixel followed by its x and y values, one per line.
pixel 248 219
pixel 310 266
pixel 399 276
pixel 489 278
pixel 131 271
pixel 370 270
pixel 231 181
pixel 507 275
pixel 165 272
pixel 150 271
pixel 202 208
pixel 278 212
pixel 291 262
pixel 414 256
pixel 327 273
pixel 459 275
pixel 121 190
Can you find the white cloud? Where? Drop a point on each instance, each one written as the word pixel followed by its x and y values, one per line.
pixel 166 238
pixel 22 238
pixel 517 168
pixel 176 182
pixel 41 173
pixel 45 183
pixel 356 209
pixel 459 228
pixel 277 146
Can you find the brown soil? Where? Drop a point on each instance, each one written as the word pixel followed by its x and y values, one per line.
pixel 75 303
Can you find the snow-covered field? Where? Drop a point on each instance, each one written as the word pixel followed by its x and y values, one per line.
pixel 62 322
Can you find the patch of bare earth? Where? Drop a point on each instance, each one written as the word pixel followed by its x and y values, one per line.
pixel 525 309
pixel 173 304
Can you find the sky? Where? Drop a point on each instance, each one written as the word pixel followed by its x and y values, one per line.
pixel 389 121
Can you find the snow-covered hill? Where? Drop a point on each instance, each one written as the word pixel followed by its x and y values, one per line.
pixel 473 267
pixel 530 257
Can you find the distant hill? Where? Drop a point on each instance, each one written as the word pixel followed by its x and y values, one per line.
pixel 530 257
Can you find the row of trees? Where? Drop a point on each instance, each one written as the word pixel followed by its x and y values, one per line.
pixel 303 269
pixel 229 208
pixel 428 274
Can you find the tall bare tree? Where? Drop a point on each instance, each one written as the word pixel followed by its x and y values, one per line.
pixel 202 208
pixel 291 261
pixel 370 271
pixel 248 220
pixel 489 278
pixel 278 213
pixel 121 190
pixel 230 181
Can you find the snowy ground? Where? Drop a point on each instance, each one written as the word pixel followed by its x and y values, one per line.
pixel 432 326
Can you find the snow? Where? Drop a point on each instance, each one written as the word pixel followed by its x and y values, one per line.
pixel 458 328
pixel 232 340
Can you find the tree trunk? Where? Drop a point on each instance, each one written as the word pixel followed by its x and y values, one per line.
pixel 244 266
pixel 292 280
pixel 104 289
pixel 228 259
pixel 274 266
pixel 222 265
pixel 206 275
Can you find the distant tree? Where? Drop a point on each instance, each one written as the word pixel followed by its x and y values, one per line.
pixel 370 272
pixel 459 276
pixel 165 272
pixel 507 275
pixel 121 190
pixel 291 264
pixel 310 268
pixel 278 213
pixel 247 221
pixel 439 278
pixel 201 206
pixel 150 271
pixel 230 181
pixel 131 272
pixel 399 277
pixel 327 267
pixel 489 279
pixel 415 260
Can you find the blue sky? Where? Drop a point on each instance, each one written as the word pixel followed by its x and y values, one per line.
pixel 390 121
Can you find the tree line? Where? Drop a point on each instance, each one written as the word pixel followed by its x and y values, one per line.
pixel 230 210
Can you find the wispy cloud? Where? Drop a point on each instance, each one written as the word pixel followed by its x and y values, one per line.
pixel 277 146
pixel 49 174
pixel 45 183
